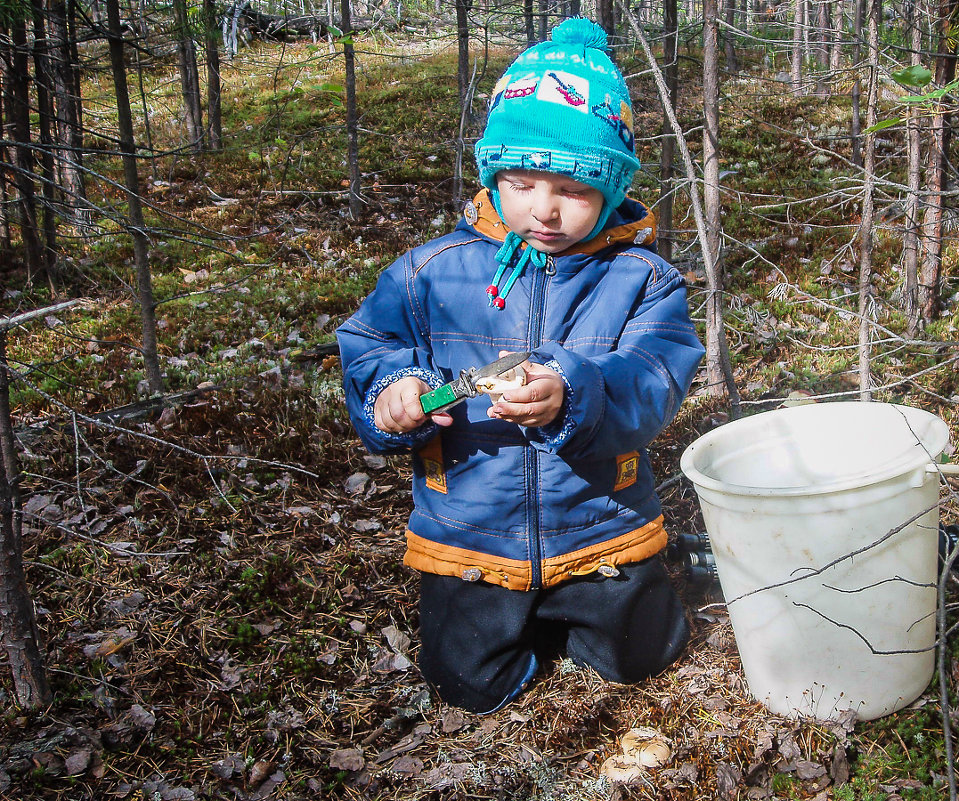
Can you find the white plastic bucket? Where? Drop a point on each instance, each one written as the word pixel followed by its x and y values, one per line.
pixel 792 500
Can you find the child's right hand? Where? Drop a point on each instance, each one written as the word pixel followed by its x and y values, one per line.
pixel 397 409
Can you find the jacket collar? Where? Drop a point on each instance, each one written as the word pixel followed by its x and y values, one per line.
pixel 620 231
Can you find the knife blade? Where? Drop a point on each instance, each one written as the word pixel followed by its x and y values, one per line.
pixel 458 390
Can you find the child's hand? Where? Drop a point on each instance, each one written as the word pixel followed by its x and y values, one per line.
pixel 535 404
pixel 397 409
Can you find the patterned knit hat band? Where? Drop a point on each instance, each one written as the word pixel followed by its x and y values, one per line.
pixel 563 107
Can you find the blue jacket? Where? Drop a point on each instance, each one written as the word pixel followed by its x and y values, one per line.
pixel 530 507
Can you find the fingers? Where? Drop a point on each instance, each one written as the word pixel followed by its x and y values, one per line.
pixel 537 403
pixel 398 409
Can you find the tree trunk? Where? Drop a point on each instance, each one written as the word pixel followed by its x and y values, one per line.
pixel 868 210
pixel 936 169
pixel 529 23
pixel 21 640
pixel 729 44
pixel 17 103
pixel 836 36
pixel 69 136
pixel 151 362
pixel 664 208
pixel 715 329
pixel 214 104
pixel 189 76
pixel 718 368
pixel 352 146
pixel 465 95
pixel 42 69
pixel 604 17
pixel 910 289
pixel 856 132
pixel 795 72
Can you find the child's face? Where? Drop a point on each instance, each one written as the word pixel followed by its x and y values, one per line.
pixel 549 211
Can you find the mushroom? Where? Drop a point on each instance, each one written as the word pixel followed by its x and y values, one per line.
pixel 496 385
pixel 646 746
pixel 621 770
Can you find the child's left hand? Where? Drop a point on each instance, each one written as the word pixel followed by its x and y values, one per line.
pixel 535 404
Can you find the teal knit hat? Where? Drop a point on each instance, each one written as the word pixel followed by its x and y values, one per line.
pixel 562 106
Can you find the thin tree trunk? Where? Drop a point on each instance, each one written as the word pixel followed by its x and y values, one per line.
pixel 18 109
pixel 5 237
pixel 604 16
pixel 69 136
pixel 41 62
pixel 718 368
pixel 856 132
pixel 214 95
pixel 937 164
pixel 189 76
pixel 836 37
pixel 729 44
pixel 795 72
pixel 21 640
pixel 910 290
pixel 151 362
pixel 464 86
pixel 694 198
pixel 868 210
pixel 664 208
pixel 529 23
pixel 352 147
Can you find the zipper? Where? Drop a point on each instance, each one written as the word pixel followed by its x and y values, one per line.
pixel 537 302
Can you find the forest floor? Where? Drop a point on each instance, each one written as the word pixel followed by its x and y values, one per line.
pixel 219 583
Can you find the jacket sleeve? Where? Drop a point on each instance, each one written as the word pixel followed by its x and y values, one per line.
pixel 384 341
pixel 620 401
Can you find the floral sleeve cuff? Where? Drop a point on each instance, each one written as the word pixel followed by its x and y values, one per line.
pixel 555 433
pixel 410 439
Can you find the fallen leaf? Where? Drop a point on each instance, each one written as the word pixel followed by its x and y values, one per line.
pixel 396 639
pixel 260 771
pixel 809 770
pixel 356 483
pixel 453 721
pixel 77 762
pixel 408 766
pixel 389 662
pixel 347 759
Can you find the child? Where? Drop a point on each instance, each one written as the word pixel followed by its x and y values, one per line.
pixel 536 526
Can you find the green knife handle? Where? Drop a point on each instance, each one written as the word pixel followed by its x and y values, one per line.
pixel 438 398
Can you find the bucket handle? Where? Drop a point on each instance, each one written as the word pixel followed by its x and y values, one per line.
pixel 945 469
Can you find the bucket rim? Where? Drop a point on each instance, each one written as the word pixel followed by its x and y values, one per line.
pixel 931 450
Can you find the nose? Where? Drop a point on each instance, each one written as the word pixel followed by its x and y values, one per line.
pixel 543 205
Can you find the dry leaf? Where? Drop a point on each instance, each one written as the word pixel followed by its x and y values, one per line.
pixel 453 720
pixel 396 639
pixel 408 766
pixel 260 772
pixel 347 759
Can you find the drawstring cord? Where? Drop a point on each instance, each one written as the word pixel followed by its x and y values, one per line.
pixel 506 254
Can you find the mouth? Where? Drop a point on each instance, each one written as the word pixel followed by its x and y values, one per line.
pixel 547 236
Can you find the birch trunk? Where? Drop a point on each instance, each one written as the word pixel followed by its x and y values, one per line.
pixel 868 210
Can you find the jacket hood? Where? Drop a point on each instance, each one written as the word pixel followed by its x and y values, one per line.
pixel 630 224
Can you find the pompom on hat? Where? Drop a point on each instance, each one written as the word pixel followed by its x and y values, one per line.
pixel 562 106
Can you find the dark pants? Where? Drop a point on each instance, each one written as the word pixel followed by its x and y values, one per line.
pixel 481 643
